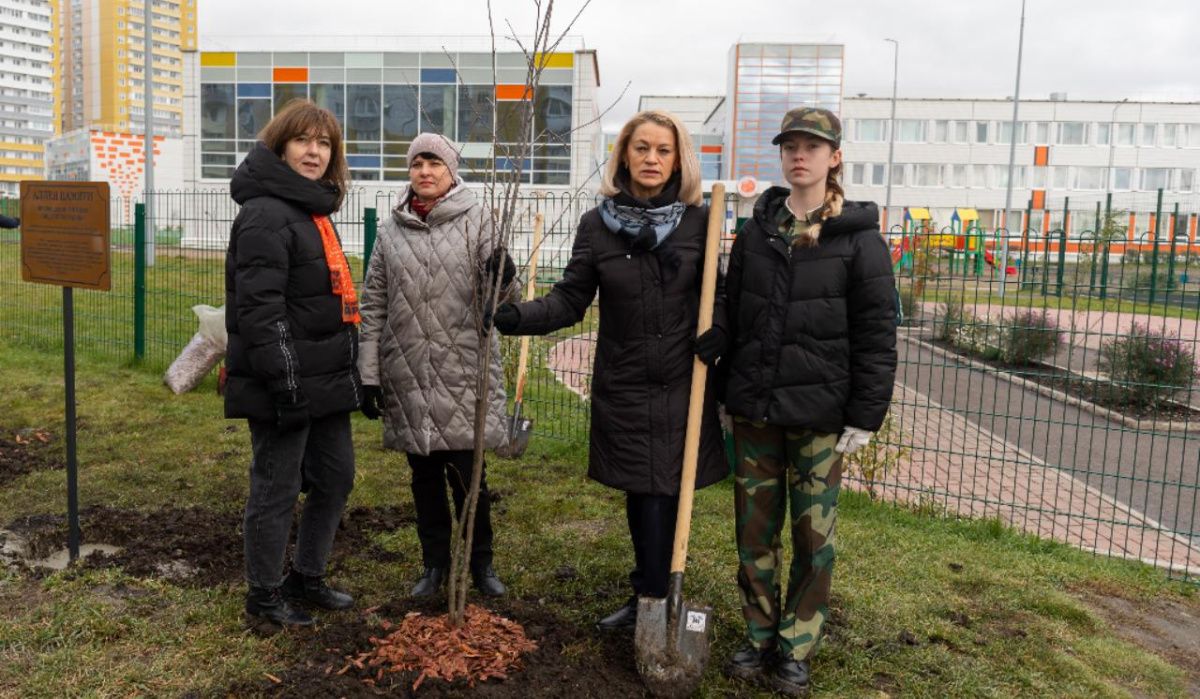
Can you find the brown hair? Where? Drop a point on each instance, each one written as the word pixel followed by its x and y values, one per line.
pixel 299 117
pixel 688 163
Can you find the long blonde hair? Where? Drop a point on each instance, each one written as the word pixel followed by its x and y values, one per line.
pixel 835 197
pixel 689 164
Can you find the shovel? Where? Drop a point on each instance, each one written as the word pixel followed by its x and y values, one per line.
pixel 519 426
pixel 672 636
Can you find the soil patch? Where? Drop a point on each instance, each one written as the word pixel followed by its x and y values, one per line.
pixel 193 546
pixel 570 661
pixel 25 451
pixel 1167 628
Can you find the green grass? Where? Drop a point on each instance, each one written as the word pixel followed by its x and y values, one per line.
pixel 922 606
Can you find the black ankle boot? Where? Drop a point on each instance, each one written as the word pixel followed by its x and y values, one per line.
pixel 312 589
pixel 267 610
pixel 750 663
pixel 790 677
pixel 487 582
pixel 623 618
pixel 430 583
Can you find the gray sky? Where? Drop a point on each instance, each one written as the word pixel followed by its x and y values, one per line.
pixel 1090 49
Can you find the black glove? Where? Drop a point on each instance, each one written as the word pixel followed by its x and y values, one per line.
pixel 506 318
pixel 710 346
pixel 372 405
pixel 291 410
pixel 500 258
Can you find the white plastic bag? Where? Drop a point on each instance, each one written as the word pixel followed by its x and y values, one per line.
pixel 202 353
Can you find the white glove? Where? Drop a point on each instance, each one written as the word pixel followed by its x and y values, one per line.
pixel 852 440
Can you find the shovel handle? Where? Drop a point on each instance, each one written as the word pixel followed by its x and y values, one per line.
pixel 691 441
pixel 530 289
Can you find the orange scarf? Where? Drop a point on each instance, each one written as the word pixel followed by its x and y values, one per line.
pixel 339 271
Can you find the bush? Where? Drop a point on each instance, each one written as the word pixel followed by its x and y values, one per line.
pixel 1140 281
pixel 880 458
pixel 951 318
pixel 910 299
pixel 1146 367
pixel 1030 336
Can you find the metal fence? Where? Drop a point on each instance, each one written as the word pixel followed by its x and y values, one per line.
pixel 1051 390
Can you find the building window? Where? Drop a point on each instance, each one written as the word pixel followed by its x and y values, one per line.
pixel 941 131
pixel 910 130
pixel 364 113
pixel 1186 180
pixel 1005 132
pixel 1149 133
pixel 1039 133
pixel 897 175
pixel 928 175
pixel 871 130
pixel 1060 177
pixel 960 132
pixel 1155 178
pixel 1125 134
pixel 877 174
pixel 1103 134
pixel 1193 135
pixel 1122 179
pixel 1089 178
pixel 1169 137
pixel 1072 133
pixel 856 173
pixel 981 132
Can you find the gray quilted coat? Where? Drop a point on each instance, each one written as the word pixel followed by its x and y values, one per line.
pixel 418 338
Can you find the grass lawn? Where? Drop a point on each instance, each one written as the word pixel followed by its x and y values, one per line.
pixel 921 606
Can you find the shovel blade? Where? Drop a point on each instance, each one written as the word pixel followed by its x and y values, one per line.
pixel 519 429
pixel 672 647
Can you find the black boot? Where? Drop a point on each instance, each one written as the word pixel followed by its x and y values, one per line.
pixel 312 589
pixel 269 612
pixel 430 583
pixel 790 677
pixel 750 663
pixel 623 618
pixel 487 582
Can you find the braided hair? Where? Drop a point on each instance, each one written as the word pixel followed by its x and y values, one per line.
pixel 835 196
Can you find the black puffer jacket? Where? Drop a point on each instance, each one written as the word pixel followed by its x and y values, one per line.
pixel 642 373
pixel 814 328
pixel 285 324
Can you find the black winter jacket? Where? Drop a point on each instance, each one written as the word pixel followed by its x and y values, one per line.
pixel 284 321
pixel 642 372
pixel 814 329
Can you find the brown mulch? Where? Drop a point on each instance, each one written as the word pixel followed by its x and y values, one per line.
pixel 486 646
pixel 569 661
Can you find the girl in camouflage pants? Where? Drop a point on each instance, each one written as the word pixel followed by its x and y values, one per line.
pixel 808 379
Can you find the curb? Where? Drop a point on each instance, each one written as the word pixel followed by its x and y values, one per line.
pixel 1055 394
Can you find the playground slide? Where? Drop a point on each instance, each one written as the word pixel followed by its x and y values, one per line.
pixel 988 258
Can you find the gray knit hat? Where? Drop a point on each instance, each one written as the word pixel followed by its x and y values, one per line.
pixel 438 145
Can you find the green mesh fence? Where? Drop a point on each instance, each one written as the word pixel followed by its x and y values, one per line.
pixel 1052 389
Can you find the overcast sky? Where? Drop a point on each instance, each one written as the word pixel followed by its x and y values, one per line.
pixel 1090 49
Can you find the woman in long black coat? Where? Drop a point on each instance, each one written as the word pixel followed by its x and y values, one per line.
pixel 642 249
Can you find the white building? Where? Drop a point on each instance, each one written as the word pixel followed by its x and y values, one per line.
pixel 27 98
pixel 952 153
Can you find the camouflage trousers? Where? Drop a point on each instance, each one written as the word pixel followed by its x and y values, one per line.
pixel 778 468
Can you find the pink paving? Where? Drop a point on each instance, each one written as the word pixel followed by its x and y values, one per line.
pixel 971 472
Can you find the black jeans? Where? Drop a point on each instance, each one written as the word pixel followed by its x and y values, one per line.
pixel 320 458
pixel 652 529
pixel 429 476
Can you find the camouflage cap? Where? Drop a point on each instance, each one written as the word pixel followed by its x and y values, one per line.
pixel 812 120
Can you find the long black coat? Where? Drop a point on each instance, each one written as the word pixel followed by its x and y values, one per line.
pixel 641 378
pixel 814 328
pixel 284 321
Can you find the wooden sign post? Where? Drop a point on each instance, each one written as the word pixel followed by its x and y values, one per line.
pixel 65 241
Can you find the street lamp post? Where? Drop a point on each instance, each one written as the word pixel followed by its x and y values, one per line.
pixel 1002 263
pixel 1112 141
pixel 887 205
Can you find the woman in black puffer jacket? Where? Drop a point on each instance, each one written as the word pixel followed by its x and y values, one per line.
pixel 292 312
pixel 811 305
pixel 642 250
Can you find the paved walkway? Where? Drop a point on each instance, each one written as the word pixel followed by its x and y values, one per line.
pixel 956 464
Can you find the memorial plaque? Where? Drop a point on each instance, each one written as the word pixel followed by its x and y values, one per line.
pixel 65 234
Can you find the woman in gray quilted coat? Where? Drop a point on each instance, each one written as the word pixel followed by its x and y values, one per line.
pixel 419 343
